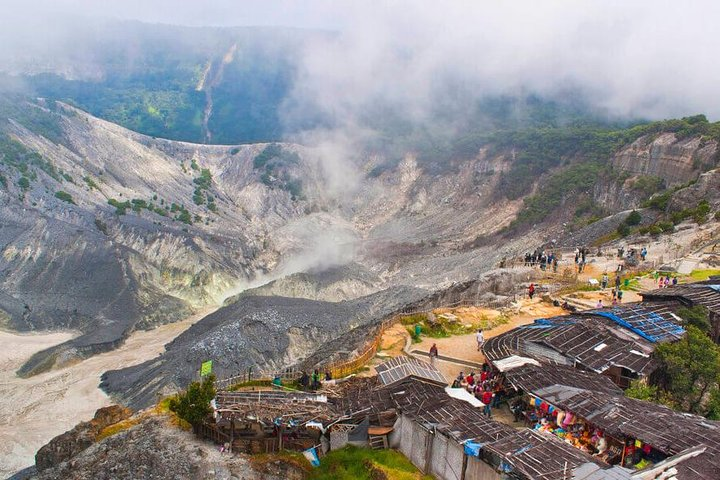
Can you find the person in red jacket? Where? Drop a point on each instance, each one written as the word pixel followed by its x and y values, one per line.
pixel 531 290
pixel 487 398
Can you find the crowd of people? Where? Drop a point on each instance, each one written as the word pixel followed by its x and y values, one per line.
pixel 485 386
pixel 542 259
pixel 585 436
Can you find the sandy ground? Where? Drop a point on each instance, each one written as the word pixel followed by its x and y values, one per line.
pixel 465 346
pixel 34 410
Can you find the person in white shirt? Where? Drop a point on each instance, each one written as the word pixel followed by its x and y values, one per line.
pixel 480 339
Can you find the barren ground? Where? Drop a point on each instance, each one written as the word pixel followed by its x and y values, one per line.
pixel 34 410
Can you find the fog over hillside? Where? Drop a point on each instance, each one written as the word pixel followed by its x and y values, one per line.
pixel 645 58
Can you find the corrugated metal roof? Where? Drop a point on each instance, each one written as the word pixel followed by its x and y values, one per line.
pixel 401 368
pixel 666 430
pixel 699 293
pixel 530 378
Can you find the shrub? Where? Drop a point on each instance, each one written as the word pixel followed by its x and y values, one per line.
pixel 90 183
pixel 659 201
pixel 120 207
pixel 717 215
pixel 665 227
pixel 634 218
pixel 193 405
pixel 64 196
pixel 24 183
pixel 623 230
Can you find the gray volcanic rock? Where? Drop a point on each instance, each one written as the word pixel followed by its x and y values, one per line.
pixel 674 160
pixel 334 284
pixel 155 449
pixel 266 333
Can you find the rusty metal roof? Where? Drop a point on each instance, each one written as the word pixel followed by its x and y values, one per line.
pixel 666 430
pixel 705 293
pixel 530 378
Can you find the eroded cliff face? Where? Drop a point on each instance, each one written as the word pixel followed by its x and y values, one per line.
pixel 674 160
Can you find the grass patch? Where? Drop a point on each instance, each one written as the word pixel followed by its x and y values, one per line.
pixel 699 275
pixel 117 428
pixel 353 463
pixel 444 327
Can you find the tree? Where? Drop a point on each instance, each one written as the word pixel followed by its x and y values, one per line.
pixel 696 316
pixel 193 405
pixel 642 391
pixel 690 368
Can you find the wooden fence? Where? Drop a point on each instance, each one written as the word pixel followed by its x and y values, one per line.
pixel 344 368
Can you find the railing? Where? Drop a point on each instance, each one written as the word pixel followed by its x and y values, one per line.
pixel 343 368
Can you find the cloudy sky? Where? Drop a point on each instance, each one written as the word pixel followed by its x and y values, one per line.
pixel 651 58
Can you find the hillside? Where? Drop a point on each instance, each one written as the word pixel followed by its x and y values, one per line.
pixel 106 231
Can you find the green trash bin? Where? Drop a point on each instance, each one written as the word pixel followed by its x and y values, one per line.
pixel 627 282
pixel 418 330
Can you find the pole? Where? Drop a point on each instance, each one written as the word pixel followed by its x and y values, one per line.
pixel 464 466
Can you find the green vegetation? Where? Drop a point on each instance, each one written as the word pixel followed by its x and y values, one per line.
pixel 90 183
pixel 193 405
pixel 204 182
pixel 443 325
pixel 648 185
pixel 24 183
pixel 634 218
pixel 699 214
pixel 353 463
pixel 15 155
pixel 696 316
pixel 64 196
pixel 700 275
pixel 689 371
pixel 568 182
pixel 582 152
pixel 274 160
pixel 120 207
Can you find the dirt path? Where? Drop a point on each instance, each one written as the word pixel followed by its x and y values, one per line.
pixel 34 410
pixel 465 346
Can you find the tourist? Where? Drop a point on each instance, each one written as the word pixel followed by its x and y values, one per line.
pixel 433 354
pixel 667 281
pixel 674 281
pixel 531 290
pixel 470 379
pixel 487 398
pixel 619 295
pixel 617 282
pixel 643 253
pixel 605 280
pixel 316 379
pixel 599 304
pixel 304 380
pixel 480 338
pixel 555 265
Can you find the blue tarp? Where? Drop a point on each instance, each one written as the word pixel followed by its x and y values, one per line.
pixel 651 319
pixel 715 287
pixel 472 449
